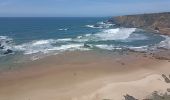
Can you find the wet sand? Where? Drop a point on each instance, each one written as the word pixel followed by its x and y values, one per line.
pixel 85 76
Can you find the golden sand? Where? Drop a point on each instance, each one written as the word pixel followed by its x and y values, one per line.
pixel 85 76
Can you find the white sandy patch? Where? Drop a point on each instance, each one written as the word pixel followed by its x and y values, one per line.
pixel 139 89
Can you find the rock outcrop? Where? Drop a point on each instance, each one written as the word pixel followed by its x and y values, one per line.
pixel 128 97
pixel 159 22
pixel 8 51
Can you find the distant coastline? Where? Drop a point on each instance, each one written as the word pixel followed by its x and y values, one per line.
pixel 157 22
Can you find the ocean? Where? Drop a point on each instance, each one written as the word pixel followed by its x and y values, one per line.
pixel 24 39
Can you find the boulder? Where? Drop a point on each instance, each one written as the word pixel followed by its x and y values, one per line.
pixel 87 46
pixel 167 80
pixel 1 46
pixel 8 51
pixel 128 97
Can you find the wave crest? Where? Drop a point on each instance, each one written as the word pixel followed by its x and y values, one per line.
pixel 45 46
pixel 5 43
pixel 108 34
pixel 101 25
pixel 115 34
pixel 164 44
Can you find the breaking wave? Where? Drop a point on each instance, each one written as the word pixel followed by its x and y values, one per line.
pixel 63 29
pixel 108 47
pixel 39 46
pixel 5 45
pixel 101 25
pixel 164 44
pixel 108 34
pixel 5 42
pixel 46 46
pixel 83 42
pixel 115 34
pixel 93 26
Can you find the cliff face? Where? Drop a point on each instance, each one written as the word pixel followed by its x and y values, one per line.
pixel 154 21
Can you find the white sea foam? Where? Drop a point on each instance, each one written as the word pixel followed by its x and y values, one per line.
pixel 140 48
pixel 82 38
pixel 35 46
pixel 105 25
pixel 77 43
pixel 105 47
pixel 107 34
pixel 69 47
pixel 108 47
pixel 63 29
pixel 5 42
pixel 165 44
pixel 137 37
pixel 45 46
pixel 3 37
pixel 64 40
pixel 100 26
pixel 112 47
pixel 93 26
pixel 43 42
pixel 115 34
pixel 30 48
pixel 41 46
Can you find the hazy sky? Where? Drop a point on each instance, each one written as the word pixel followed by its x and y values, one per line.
pixel 80 8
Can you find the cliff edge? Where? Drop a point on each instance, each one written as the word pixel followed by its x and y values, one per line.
pixel 159 22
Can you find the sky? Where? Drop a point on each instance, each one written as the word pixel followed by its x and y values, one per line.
pixel 80 8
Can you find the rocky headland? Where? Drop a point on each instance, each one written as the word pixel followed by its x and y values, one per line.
pixel 158 22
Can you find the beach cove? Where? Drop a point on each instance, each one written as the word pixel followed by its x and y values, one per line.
pixel 83 59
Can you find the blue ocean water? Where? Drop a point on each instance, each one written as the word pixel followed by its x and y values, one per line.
pixel 33 36
pixel 28 29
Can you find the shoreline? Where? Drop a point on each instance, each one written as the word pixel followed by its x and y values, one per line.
pixel 88 75
pixel 85 76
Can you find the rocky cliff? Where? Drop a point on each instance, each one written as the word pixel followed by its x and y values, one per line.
pixel 156 21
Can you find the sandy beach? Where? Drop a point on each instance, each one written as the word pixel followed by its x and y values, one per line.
pixel 85 76
pixel 84 50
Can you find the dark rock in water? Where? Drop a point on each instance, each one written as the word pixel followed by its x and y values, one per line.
pixel 128 97
pixel 8 51
pixel 7 41
pixel 96 25
pixel 1 46
pixel 156 28
pixel 87 46
pixel 166 78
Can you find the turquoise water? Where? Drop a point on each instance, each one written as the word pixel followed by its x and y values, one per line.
pixel 39 36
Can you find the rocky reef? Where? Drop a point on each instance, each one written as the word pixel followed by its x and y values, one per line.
pixel 158 22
